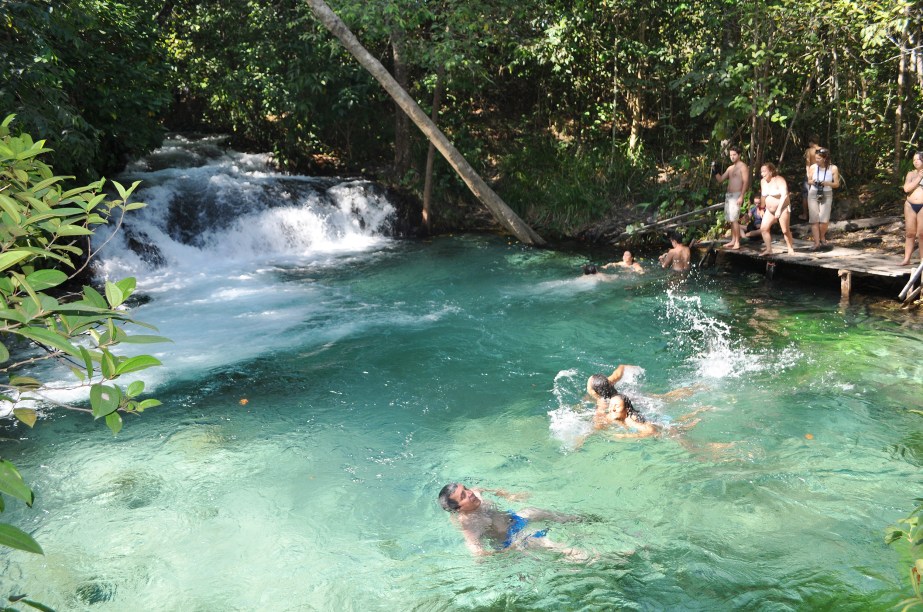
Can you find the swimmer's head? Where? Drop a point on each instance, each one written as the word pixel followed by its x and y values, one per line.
pixel 456 497
pixel 598 385
pixel 674 236
pixel 628 258
pixel 590 269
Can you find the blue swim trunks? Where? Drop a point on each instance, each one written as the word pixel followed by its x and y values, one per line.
pixel 517 524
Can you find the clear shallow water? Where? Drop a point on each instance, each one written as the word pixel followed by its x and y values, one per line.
pixel 377 373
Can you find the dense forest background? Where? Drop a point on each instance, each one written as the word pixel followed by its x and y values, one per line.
pixel 575 111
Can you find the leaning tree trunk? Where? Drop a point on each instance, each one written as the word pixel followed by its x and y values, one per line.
pixel 431 153
pixel 501 212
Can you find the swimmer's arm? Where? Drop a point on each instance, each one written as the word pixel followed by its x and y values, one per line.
pixel 644 430
pixel 666 260
pixel 617 374
pixel 473 542
pixel 505 494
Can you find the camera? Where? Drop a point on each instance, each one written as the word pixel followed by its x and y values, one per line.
pixel 818 184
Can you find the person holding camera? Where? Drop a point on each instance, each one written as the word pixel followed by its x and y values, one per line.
pixel 823 178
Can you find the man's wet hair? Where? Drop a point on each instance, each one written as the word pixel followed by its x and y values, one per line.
pixel 736 149
pixel 674 235
pixel 601 386
pixel 448 504
pixel 590 269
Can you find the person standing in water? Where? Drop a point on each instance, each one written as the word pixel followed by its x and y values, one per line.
pixel 737 176
pixel 628 261
pixel 488 529
pixel 913 208
pixel 678 258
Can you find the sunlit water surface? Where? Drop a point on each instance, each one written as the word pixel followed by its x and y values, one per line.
pixel 377 371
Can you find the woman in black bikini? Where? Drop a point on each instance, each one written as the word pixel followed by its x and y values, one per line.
pixel 913 208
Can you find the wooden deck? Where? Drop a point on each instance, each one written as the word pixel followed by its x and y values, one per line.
pixel 880 272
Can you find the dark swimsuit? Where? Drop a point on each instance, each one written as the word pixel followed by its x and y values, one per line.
pixel 916 207
pixel 517 524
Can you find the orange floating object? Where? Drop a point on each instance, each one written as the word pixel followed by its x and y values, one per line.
pixel 809 436
pixel 244 401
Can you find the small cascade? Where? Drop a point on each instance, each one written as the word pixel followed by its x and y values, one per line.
pixel 208 205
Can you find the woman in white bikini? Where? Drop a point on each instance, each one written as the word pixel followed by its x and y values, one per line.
pixel 774 189
pixel 913 208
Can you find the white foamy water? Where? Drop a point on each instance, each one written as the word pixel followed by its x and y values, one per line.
pixel 227 252
pixel 718 352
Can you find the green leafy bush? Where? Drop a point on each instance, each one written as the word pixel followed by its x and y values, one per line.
pixel 44 245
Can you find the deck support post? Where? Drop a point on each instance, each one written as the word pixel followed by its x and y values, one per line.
pixel 845 282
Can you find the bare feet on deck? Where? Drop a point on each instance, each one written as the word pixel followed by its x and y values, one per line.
pixel 906 262
pixel 765 252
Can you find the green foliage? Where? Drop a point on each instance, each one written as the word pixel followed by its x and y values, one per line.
pixel 909 533
pixel 87 76
pixel 44 243
pixel 564 187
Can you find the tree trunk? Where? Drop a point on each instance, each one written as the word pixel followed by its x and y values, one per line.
pixel 501 212
pixel 899 103
pixel 402 155
pixel 431 154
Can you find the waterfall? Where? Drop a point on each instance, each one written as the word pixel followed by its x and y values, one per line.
pixel 208 207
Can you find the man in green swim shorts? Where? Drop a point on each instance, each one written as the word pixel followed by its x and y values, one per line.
pixel 481 522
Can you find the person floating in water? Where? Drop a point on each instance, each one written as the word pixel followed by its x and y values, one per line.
pixel 628 261
pixel 678 257
pixel 488 529
pixel 615 409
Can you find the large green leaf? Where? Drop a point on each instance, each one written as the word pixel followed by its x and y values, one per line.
pixel 104 400
pixel 133 364
pixel 45 279
pixel 11 258
pixel 45 336
pixel 143 339
pixel 11 483
pixel 19 539
pixel 114 294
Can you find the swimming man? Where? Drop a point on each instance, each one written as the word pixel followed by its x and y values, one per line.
pixel 481 522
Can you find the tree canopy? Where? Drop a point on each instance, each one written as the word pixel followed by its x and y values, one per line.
pixel 570 108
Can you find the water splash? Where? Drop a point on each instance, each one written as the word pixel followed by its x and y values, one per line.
pixel 716 350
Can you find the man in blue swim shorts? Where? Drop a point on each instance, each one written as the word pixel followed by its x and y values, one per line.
pixel 481 522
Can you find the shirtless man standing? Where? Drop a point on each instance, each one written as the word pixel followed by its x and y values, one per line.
pixel 678 257
pixel 738 177
pixel 482 522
